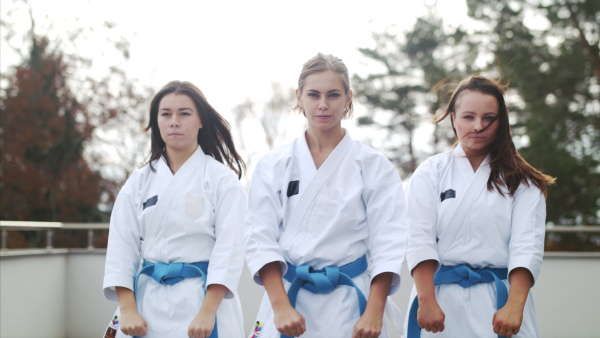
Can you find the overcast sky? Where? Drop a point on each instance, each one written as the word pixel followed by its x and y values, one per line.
pixel 232 50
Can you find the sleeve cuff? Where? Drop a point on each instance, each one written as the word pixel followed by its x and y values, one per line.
pixel 377 270
pixel 526 264
pixel 413 259
pixel 112 281
pixel 223 280
pixel 256 266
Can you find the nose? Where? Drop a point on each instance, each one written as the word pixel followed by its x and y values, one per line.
pixel 174 121
pixel 323 104
pixel 478 125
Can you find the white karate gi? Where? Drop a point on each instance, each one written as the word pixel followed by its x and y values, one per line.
pixel 498 232
pixel 203 223
pixel 358 210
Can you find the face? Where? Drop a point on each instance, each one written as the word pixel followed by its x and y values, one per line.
pixel 179 122
pixel 324 100
pixel 473 112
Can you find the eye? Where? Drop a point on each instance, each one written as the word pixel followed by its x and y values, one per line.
pixel 313 94
pixel 334 95
pixel 185 113
pixel 468 117
pixel 165 113
pixel 489 118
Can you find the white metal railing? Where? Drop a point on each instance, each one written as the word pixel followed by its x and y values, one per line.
pixel 50 227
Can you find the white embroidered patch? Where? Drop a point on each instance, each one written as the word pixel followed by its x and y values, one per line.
pixel 194 205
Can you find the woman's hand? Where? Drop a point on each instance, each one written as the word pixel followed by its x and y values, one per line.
pixel 507 321
pixel 201 326
pixel 430 316
pixel 132 323
pixel 370 323
pixel 368 326
pixel 288 321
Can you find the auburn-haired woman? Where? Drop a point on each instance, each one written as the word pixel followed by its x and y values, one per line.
pixel 476 217
pixel 175 248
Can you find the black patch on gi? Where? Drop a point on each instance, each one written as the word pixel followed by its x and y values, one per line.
pixel 293 188
pixel 447 194
pixel 150 202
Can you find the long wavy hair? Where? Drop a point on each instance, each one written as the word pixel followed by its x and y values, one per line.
pixel 214 137
pixel 508 167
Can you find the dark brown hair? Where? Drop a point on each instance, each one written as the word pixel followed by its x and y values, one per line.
pixel 214 137
pixel 508 167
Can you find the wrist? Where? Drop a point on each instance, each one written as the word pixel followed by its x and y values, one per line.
pixel 127 308
pixel 374 311
pixel 515 303
pixel 426 299
pixel 281 304
pixel 206 311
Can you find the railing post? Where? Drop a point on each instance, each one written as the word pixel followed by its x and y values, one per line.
pixel 4 240
pixel 90 245
pixel 49 235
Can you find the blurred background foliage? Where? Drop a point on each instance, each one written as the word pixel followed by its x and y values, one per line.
pixel 69 140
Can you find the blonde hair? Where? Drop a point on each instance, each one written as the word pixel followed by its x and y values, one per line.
pixel 321 63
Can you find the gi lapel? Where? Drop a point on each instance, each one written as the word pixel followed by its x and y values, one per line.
pixel 476 186
pixel 182 176
pixel 307 197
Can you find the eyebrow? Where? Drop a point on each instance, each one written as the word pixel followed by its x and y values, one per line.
pixel 331 91
pixel 471 112
pixel 180 109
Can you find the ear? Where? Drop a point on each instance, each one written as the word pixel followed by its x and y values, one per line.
pixel 349 99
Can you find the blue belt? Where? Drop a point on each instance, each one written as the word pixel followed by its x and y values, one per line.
pixel 174 273
pixel 465 277
pixel 325 280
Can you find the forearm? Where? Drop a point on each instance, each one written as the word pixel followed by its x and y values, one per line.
pixel 126 299
pixel 423 277
pixel 521 281
pixel 213 298
pixel 507 321
pixel 380 288
pixel 271 278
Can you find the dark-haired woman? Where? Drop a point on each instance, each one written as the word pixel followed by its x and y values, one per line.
pixel 476 226
pixel 175 249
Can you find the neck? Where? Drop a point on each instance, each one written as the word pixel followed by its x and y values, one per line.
pixel 319 140
pixel 475 158
pixel 178 157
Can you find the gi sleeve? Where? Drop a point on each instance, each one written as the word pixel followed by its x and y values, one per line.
pixel 263 219
pixel 422 202
pixel 386 218
pixel 123 250
pixel 526 245
pixel 227 257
